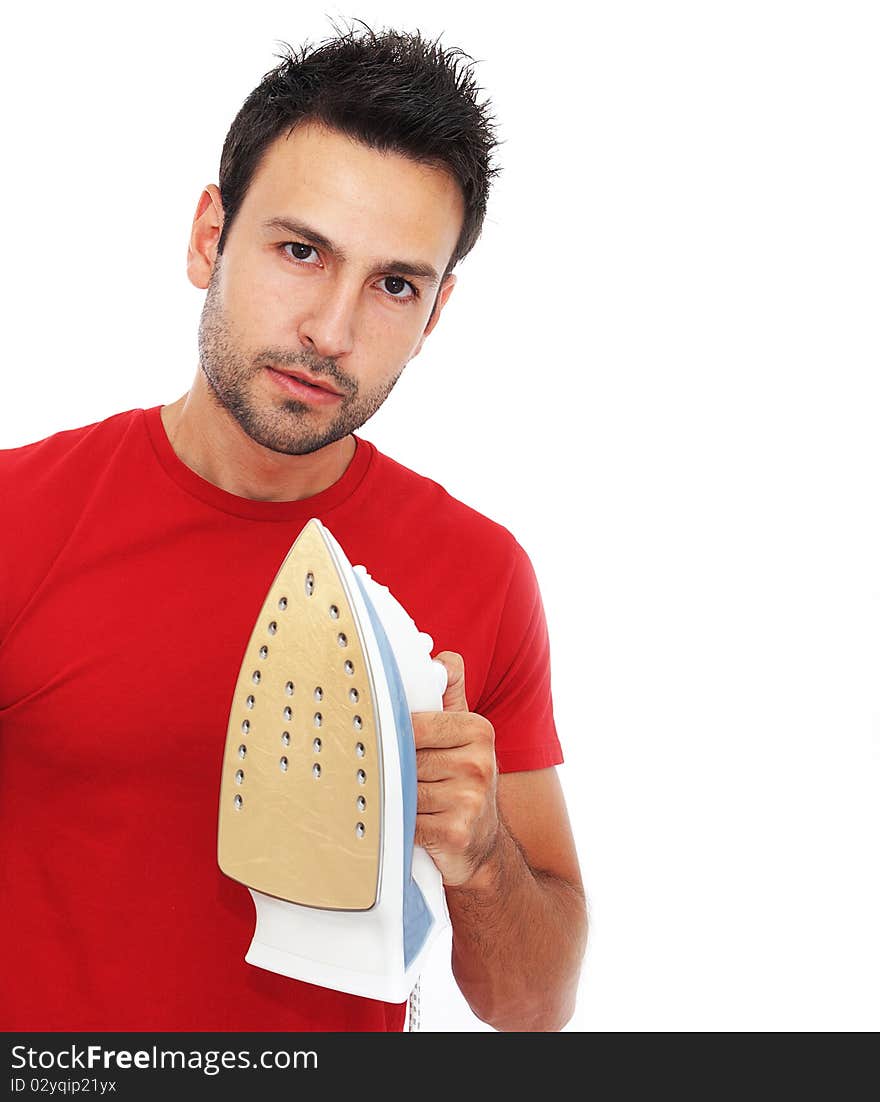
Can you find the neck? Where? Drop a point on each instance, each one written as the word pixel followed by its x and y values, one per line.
pixel 210 442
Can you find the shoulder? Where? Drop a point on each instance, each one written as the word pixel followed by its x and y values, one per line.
pixel 45 486
pixel 426 511
pixel 414 492
pixel 30 468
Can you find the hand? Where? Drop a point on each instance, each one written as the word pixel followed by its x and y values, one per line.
pixel 457 817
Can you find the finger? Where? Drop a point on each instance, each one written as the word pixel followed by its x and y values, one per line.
pixel 465 764
pixel 434 797
pixel 437 765
pixel 442 831
pixel 445 729
pixel 454 699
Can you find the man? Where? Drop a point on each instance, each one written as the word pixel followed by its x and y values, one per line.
pixel 137 550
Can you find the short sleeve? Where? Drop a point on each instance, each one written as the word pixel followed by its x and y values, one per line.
pixel 517 698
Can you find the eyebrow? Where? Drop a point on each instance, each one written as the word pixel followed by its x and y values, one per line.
pixel 312 237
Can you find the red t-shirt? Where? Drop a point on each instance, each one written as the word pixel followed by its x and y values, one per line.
pixel 128 590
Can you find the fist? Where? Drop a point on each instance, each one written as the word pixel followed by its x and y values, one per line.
pixel 457 816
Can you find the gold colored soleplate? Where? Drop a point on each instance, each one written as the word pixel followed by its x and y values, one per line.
pixel 283 830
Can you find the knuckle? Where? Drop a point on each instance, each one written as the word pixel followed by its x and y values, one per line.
pixel 481 769
pixel 481 729
pixel 452 658
pixel 489 770
pixel 475 769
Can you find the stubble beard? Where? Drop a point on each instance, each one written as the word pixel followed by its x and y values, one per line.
pixel 291 427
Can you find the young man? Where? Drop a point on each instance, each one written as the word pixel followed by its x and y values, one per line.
pixel 138 549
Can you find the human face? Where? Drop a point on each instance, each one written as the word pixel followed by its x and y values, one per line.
pixel 345 291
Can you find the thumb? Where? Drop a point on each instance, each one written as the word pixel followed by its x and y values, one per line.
pixel 454 699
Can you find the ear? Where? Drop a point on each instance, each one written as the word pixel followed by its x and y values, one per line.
pixel 201 254
pixel 441 300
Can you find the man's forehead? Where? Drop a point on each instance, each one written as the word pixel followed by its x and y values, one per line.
pixel 344 188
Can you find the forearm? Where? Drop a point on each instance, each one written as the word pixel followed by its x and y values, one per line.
pixel 518 940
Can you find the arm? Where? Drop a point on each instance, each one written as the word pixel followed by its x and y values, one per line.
pixel 520 922
pixel 504 847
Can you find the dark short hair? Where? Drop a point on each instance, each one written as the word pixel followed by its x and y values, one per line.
pixel 393 91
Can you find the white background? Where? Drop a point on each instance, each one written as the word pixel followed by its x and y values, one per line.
pixel 659 370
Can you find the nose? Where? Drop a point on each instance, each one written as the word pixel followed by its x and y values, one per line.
pixel 327 326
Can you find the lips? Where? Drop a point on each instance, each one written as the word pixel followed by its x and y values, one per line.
pixel 307 379
pixel 303 388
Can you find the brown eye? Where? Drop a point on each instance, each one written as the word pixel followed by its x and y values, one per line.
pixel 300 251
pixel 394 285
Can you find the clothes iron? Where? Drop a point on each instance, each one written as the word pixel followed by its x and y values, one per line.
pixel 318 791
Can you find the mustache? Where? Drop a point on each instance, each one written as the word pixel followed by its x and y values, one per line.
pixel 318 366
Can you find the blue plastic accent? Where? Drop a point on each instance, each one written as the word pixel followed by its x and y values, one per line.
pixel 417 917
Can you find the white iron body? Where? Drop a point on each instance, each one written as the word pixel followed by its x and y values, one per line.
pixel 376 952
